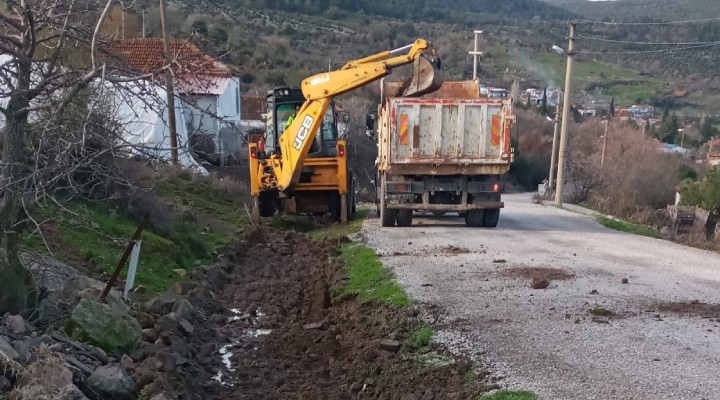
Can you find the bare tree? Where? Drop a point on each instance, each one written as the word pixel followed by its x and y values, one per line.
pixel 356 108
pixel 57 141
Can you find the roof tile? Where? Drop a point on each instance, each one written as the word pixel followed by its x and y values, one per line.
pixel 147 55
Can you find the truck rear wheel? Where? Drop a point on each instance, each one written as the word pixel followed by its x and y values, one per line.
pixel 404 217
pixel 474 218
pixel 387 217
pixel 491 217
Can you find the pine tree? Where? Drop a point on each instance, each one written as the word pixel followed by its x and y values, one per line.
pixel 611 112
pixel 707 130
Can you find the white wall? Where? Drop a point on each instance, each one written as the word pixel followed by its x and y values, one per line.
pixel 219 116
pixel 229 105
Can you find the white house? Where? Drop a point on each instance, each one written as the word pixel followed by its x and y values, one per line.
pixel 209 91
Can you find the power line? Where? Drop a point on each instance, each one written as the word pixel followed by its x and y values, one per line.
pixel 650 51
pixel 689 21
pixel 599 39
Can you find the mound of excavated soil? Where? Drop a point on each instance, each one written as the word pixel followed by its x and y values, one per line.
pixel 265 328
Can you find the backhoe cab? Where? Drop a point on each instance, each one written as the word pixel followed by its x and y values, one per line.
pixel 297 171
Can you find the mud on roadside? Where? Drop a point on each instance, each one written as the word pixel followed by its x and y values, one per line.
pixel 266 306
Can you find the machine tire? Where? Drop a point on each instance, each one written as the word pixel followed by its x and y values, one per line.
pixel 438 213
pixel 404 217
pixel 335 206
pixel 474 218
pixel 387 217
pixel 491 217
pixel 266 204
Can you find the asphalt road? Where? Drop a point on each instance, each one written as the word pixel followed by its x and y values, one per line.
pixel 546 340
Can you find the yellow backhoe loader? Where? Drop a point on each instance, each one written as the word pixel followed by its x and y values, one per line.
pixel 300 174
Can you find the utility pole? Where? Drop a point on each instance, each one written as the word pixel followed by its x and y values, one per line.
pixel 553 157
pixel 170 89
pixel 143 23
pixel 565 118
pixel 602 157
pixel 475 53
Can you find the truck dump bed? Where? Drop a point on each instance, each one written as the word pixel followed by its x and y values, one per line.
pixel 449 132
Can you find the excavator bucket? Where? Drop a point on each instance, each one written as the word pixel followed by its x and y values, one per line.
pixel 427 77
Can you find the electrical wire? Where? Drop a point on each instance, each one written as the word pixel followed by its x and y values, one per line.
pixel 690 21
pixel 599 39
pixel 650 51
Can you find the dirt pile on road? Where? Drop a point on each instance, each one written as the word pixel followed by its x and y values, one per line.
pixel 261 324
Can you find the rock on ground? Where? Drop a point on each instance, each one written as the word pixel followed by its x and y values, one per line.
pixel 16 324
pixel 5 384
pixel 161 305
pixel 109 328
pixel 70 392
pixel 7 352
pixel 111 382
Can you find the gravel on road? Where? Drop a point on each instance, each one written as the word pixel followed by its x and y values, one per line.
pixel 621 316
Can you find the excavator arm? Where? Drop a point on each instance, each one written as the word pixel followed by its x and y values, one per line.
pixel 282 170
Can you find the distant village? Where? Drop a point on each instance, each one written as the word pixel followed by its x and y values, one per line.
pixel 645 116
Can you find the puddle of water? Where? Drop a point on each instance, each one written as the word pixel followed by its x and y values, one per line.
pixel 226 355
pixel 257 332
pixel 218 378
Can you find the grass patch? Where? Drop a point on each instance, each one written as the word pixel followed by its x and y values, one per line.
pixel 421 338
pixel 223 202
pixel 629 227
pixel 510 395
pixel 99 236
pixel 368 279
pixel 338 230
pixel 626 85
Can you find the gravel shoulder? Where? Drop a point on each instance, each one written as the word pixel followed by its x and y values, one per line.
pixel 546 340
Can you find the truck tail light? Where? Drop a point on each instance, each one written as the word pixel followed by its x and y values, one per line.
pixel 341 151
pixel 496 187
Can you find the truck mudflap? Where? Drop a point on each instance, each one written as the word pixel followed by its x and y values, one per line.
pixel 446 207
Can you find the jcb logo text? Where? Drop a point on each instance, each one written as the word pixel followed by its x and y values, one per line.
pixel 303 132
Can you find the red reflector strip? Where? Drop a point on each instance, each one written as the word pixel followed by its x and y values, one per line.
pixel 495 131
pixel 399 187
pixel 404 129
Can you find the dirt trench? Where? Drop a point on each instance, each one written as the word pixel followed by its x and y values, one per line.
pixel 268 303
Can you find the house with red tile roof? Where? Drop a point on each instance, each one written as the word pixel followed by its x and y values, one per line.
pixel 209 90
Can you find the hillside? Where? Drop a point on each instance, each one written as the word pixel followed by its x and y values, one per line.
pixel 641 10
pixel 282 42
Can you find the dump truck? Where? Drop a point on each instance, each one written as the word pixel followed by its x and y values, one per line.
pixel 445 151
pixel 304 173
